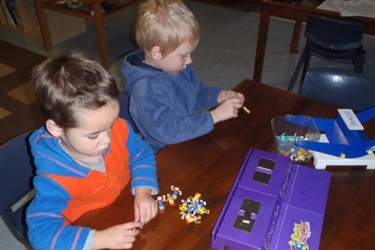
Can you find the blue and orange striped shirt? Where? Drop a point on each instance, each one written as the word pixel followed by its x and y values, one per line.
pixel 65 189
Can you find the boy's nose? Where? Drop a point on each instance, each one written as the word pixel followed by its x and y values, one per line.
pixel 106 138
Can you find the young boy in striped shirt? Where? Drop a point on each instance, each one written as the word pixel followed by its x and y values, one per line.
pixel 85 155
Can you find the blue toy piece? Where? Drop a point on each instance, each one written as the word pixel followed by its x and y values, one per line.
pixel 346 136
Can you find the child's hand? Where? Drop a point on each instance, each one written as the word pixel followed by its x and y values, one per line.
pixel 229 94
pixel 117 237
pixel 145 207
pixel 226 110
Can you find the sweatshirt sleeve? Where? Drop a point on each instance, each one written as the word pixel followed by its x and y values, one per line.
pixel 142 163
pixel 46 224
pixel 163 118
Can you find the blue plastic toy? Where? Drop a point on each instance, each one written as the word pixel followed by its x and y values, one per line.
pixel 346 135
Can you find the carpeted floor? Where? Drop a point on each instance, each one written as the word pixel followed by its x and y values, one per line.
pixel 18 108
pixel 242 5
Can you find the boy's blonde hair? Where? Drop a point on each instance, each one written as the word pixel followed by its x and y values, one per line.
pixel 167 24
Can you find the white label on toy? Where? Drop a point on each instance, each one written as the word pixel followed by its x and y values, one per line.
pixel 350 119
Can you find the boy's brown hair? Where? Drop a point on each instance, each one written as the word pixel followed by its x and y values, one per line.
pixel 67 83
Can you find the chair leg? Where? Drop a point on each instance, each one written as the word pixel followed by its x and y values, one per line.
pixel 358 65
pixel 297 70
pixel 306 64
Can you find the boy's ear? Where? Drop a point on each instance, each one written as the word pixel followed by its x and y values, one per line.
pixel 156 53
pixel 53 128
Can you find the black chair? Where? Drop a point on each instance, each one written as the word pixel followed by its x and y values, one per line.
pixel 334 40
pixel 124 110
pixel 17 171
pixel 343 88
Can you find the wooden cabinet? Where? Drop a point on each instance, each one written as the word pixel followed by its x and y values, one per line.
pixel 62 27
pixel 94 10
pixel 28 23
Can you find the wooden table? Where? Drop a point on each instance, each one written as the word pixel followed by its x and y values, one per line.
pixel 297 11
pixel 91 10
pixel 210 164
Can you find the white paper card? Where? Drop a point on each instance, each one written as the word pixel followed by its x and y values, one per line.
pixel 350 119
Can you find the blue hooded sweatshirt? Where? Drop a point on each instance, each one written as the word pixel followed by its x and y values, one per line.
pixel 166 108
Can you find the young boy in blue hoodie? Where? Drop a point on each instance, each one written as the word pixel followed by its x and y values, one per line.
pixel 169 103
pixel 85 155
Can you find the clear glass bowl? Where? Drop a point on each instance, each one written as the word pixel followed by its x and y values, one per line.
pixel 291 128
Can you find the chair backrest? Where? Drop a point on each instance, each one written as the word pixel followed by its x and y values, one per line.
pixel 341 87
pixel 334 33
pixel 124 110
pixel 16 173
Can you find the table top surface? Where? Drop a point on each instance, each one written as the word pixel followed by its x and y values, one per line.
pixel 304 3
pixel 209 165
pixel 311 6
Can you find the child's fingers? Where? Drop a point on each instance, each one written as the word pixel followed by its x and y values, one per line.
pixel 137 214
pixel 132 225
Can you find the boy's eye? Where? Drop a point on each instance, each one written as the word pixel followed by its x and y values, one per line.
pixel 93 137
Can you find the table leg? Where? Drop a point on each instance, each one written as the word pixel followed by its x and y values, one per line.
pixel 43 25
pixel 295 38
pixel 100 34
pixel 261 43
